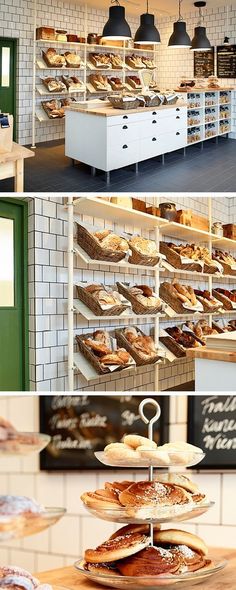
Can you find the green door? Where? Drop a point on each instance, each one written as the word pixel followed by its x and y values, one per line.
pixel 13 295
pixel 8 78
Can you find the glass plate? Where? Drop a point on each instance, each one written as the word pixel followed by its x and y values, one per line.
pixel 151 582
pixel 26 444
pixel 149 514
pixel 17 526
pixel 156 458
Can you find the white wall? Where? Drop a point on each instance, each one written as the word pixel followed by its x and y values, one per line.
pixel 65 542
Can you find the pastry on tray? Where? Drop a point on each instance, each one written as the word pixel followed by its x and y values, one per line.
pixel 54 84
pixel 134 82
pixel 134 62
pixel 99 82
pixel 72 59
pixel 16 578
pixel 53 59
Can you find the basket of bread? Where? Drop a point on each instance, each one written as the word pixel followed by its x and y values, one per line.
pixel 53 59
pixel 100 60
pixel 209 303
pixel 126 101
pixel 53 108
pixel 102 245
pixel 116 61
pixel 99 82
pixel 134 82
pixel 180 298
pixel 144 251
pixel 116 83
pixel 142 297
pixel 152 99
pixel 178 339
pixel 141 347
pixel 72 83
pixel 54 84
pixel 180 256
pixel 201 329
pixel 226 297
pixel 102 300
pixel 73 60
pixel 134 62
pixel 149 63
pixel 101 350
pixel 227 261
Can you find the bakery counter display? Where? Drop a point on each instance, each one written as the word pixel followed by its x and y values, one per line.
pixel 141 554
pixel 22 517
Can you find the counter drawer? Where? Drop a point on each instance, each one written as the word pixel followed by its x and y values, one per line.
pixel 150 147
pixel 122 155
pixel 126 118
pixel 176 140
pixel 162 125
pixel 172 112
pixel 125 133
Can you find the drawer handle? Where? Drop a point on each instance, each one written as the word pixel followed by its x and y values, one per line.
pixel 125 117
pixel 125 147
pixel 154 139
pixel 154 121
pixel 125 127
pixel 178 117
pixel 154 113
pixel 177 109
pixel 178 133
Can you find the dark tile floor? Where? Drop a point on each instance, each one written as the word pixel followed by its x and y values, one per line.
pixel 210 169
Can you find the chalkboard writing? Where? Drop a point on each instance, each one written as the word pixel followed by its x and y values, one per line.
pixel 80 425
pixel 204 63
pixel 226 61
pixel 212 426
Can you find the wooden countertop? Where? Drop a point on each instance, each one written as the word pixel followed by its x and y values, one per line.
pixel 198 90
pixel 211 355
pixel 109 111
pixel 71 579
pixel 18 152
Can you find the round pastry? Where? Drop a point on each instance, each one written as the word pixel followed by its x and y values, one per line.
pixel 105 569
pixel 119 548
pixel 152 561
pixel 99 501
pixel 117 486
pixel 190 560
pixel 157 456
pixel 145 493
pixel 135 441
pixel 176 537
pixel 134 528
pixel 10 505
pixel 178 479
pixel 14 578
pixel 182 453
pixel 121 452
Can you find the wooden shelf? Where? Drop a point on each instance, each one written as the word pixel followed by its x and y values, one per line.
pixel 179 231
pixel 105 210
pixel 168 269
pixel 94 46
pixel 224 243
pixel 82 309
pixel 42 90
pixel 124 264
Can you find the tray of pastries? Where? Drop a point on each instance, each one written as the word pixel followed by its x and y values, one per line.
pixel 127 559
pixel 142 297
pixel 180 256
pixel 209 302
pixel 134 82
pixel 21 517
pixel 73 60
pixel 181 298
pixel 168 497
pixel 54 84
pixel 104 352
pixel 226 260
pixel 102 245
pixel 116 83
pixel 226 297
pixel 100 83
pixel 148 63
pixel 72 83
pixel 100 60
pixel 13 442
pixel 178 339
pixel 141 347
pixel 135 62
pixel 53 59
pixel 102 300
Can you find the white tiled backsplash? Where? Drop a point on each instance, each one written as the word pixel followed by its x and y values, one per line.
pixel 17 21
pixel 65 542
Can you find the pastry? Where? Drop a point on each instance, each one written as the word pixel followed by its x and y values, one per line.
pixel 158 457
pixel 151 561
pixel 182 453
pixel 153 493
pixel 176 537
pixel 178 479
pixel 98 347
pixel 144 345
pixel 135 441
pixel 105 569
pixel 16 578
pixel 119 357
pixel 134 528
pixel 13 505
pixel 98 500
pixel 119 452
pixel 72 59
pixel 144 246
pixel 102 336
pixel 111 241
pixel 134 62
pixel 116 549
pixel 53 58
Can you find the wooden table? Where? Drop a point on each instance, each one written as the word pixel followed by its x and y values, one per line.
pixel 71 579
pixel 215 370
pixel 12 165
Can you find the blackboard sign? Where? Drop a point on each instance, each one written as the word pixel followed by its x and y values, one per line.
pixel 226 61
pixel 80 425
pixel 212 426
pixel 204 63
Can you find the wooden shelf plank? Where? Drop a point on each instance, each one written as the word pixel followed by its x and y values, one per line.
pixel 179 231
pixel 105 210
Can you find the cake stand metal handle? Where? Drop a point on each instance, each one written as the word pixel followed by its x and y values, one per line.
pixel 150 422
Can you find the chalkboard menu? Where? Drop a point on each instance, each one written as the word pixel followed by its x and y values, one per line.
pixel 212 426
pixel 80 425
pixel 226 61
pixel 204 63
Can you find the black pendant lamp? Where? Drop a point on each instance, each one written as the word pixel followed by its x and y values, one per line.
pixel 200 42
pixel 147 33
pixel 116 27
pixel 179 37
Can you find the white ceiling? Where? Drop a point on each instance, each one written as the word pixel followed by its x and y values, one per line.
pixel 161 8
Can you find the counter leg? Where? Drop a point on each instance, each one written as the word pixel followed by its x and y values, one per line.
pixel 73 162
pixel 93 171
pixel 184 152
pixel 217 140
pixel 108 178
pixel 136 168
pixel 19 176
pixel 202 145
pixel 163 159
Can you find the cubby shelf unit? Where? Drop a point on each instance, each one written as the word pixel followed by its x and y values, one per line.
pixel 160 229
pixel 208 104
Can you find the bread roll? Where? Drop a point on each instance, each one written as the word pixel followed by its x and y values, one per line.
pixel 146 493
pixel 119 548
pixel 176 537
pixel 135 441
pixel 119 452
pixel 152 561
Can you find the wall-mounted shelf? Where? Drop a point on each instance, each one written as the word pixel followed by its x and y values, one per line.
pixel 94 207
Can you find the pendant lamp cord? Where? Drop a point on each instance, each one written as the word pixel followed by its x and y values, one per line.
pixel 147 6
pixel 115 2
pixel 180 15
pixel 201 17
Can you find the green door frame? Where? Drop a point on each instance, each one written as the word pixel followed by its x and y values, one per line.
pixel 14 43
pixel 24 208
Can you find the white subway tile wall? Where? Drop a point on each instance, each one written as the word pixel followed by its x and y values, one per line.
pixel 48 292
pixel 65 542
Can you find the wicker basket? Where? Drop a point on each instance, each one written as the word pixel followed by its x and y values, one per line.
pixel 206 307
pixel 89 243
pixel 173 302
pixel 49 113
pixel 139 258
pixel 170 101
pixel 169 342
pixel 124 343
pixel 119 103
pixel 218 328
pixel 49 63
pixel 138 307
pixel 91 357
pixel 210 269
pixel 94 305
pixel 227 303
pixel 152 101
pixel 175 259
pixel 227 268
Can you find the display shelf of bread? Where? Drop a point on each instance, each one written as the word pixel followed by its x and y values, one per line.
pixel 226 297
pixel 133 82
pixel 102 350
pixel 178 339
pixel 102 300
pixel 181 298
pixel 227 261
pixel 99 61
pixel 190 257
pixel 141 347
pixel 143 298
pixel 52 85
pixel 22 517
pixel 209 303
pixel 143 251
pixel 116 83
